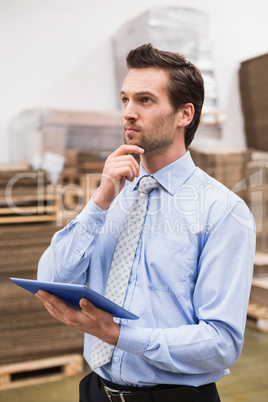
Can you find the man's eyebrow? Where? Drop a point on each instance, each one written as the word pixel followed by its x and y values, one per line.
pixel 141 93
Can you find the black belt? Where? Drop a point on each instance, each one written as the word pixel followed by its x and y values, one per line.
pixel 159 393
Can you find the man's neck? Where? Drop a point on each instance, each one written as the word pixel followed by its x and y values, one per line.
pixel 154 161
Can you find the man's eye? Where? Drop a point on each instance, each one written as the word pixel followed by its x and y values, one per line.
pixel 124 100
pixel 145 99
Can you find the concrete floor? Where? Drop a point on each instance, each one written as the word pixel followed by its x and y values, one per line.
pixel 248 380
pixel 246 383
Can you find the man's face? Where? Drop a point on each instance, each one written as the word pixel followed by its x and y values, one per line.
pixel 149 120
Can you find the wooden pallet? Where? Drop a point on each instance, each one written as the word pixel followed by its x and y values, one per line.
pixel 14 167
pixel 77 189
pixel 28 208
pixel 257 317
pixel 40 371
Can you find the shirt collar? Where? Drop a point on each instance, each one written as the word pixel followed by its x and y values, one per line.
pixel 172 176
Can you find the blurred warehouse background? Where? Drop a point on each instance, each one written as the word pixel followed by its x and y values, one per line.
pixel 62 65
pixel 60 55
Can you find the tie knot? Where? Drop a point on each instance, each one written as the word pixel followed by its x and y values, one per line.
pixel 147 184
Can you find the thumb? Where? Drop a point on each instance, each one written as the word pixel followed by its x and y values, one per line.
pixel 85 304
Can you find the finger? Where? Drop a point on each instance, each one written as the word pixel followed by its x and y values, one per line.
pixel 86 305
pixel 128 149
pixel 49 297
pixel 59 309
pixel 55 306
pixel 89 308
pixel 126 159
pixel 118 172
pixel 96 314
pixel 102 323
pixel 127 170
pixel 52 309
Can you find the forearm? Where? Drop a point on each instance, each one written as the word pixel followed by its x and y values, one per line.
pixel 191 349
pixel 68 256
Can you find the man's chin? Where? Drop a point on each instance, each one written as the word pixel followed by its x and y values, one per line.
pixel 131 141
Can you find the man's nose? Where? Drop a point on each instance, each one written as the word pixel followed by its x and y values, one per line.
pixel 130 111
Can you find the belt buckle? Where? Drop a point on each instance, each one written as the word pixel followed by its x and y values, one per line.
pixel 109 392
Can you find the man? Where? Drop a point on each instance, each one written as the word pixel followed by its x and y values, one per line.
pixel 190 277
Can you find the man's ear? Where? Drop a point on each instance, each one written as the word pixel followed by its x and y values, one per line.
pixel 185 115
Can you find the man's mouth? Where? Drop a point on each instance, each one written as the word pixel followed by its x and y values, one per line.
pixel 130 130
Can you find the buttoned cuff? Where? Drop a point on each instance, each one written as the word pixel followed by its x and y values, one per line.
pixel 133 339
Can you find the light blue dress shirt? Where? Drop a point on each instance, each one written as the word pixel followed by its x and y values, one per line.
pixel 190 280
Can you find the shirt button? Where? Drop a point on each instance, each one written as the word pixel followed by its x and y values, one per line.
pixel 116 359
pixel 131 279
pixel 98 222
pixel 81 228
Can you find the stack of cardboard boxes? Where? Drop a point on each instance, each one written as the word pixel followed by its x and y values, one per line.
pixel 225 164
pixel 27 331
pixel 79 180
pixel 26 195
pixel 28 220
pixel 257 187
pixel 257 181
pixel 254 96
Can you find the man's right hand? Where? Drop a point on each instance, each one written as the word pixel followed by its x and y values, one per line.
pixel 119 167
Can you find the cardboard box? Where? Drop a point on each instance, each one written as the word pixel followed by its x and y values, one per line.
pixel 253 80
pixel 259 291
pixel 225 164
pixel 261 263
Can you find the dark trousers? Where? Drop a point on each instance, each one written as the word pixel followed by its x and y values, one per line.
pixel 90 391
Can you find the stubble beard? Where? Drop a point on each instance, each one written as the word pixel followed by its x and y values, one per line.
pixel 156 139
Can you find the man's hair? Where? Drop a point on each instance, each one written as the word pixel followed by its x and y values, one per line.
pixel 185 85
